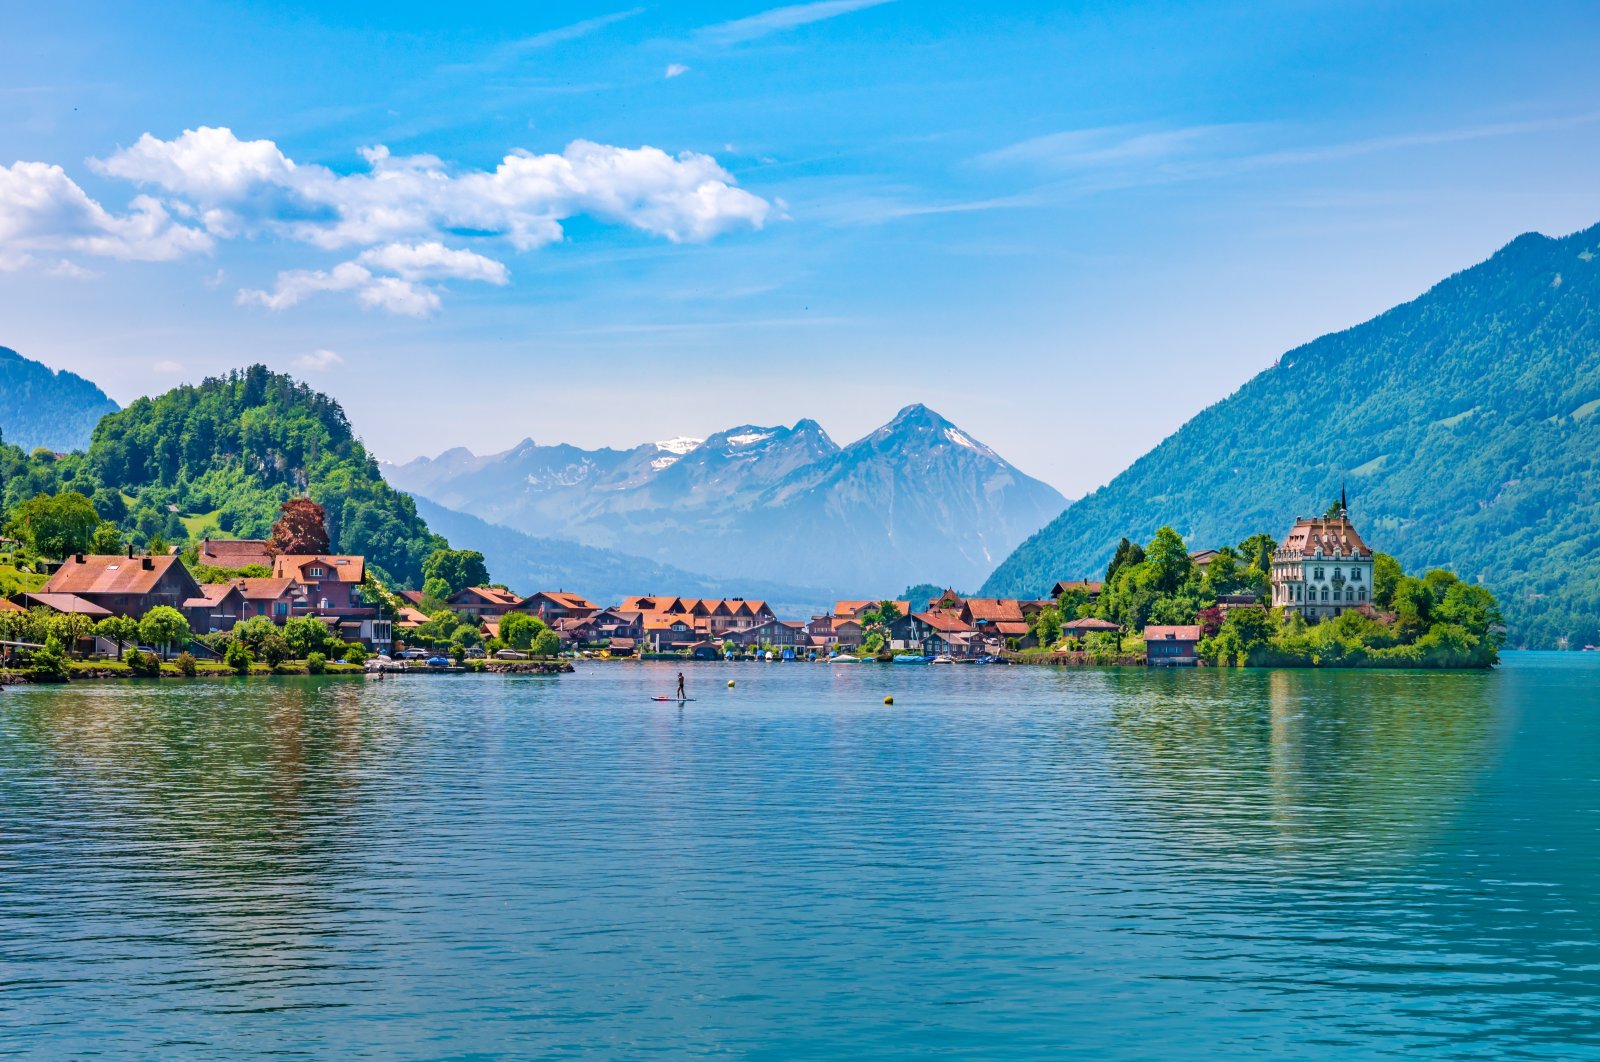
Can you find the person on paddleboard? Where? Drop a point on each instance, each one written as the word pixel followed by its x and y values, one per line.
pixel 681 694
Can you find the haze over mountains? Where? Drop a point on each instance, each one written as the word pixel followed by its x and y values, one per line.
pixel 40 406
pixel 1464 424
pixel 916 500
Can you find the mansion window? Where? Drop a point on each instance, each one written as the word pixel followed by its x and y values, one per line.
pixel 1324 593
pixel 1318 574
pixel 1355 575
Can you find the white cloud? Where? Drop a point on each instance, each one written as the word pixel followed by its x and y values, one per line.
pixel 676 70
pixel 42 209
pixel 781 18
pixel 167 368
pixel 71 271
pixel 318 361
pixel 402 209
pixel 386 293
pixel 434 261
pixel 401 214
pixel 250 186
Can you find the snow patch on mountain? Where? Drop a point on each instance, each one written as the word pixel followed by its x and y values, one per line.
pixel 749 439
pixel 680 445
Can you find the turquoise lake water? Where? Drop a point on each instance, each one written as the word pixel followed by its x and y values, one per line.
pixel 1007 863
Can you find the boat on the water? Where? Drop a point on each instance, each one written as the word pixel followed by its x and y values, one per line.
pixel 911 660
pixel 941 659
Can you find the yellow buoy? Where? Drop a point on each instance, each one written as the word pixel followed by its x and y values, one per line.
pixel 730 684
pixel 888 700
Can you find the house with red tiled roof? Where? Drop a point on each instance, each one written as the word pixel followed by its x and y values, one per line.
pixel 235 553
pixel 1089 587
pixel 330 579
pixel 124 585
pixel 482 602
pixel 1171 646
pixel 67 604
pixel 217 607
pixel 856 609
pixel 784 634
pixel 551 605
pixel 1322 568
pixel 909 632
pixel 277 599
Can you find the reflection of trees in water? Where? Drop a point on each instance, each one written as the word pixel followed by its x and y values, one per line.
pixel 224 806
pixel 1330 767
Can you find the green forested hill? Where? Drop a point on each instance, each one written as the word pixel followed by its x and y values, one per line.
pixel 220 457
pixel 1464 424
pixel 42 407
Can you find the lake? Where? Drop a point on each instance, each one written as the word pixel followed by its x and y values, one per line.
pixel 1007 862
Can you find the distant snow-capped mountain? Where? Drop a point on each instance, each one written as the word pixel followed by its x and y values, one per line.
pixel 917 500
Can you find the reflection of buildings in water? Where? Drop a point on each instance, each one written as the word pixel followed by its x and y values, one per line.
pixel 1325 765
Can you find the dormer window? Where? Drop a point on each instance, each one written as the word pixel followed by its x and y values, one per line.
pixel 315 573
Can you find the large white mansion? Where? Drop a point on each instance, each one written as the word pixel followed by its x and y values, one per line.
pixel 1322 568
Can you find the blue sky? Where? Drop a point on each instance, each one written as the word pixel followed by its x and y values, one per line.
pixel 1068 227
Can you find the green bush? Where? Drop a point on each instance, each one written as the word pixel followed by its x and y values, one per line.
pixel 316 664
pixel 274 649
pixel 145 665
pixel 355 653
pixel 237 657
pixel 51 661
pixel 186 664
pixel 548 643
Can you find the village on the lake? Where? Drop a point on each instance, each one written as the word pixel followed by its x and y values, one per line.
pixel 1320 597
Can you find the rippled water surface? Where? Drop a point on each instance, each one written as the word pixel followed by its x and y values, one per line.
pixel 1008 862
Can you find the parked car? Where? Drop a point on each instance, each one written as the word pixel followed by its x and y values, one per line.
pixel 474 653
pixel 414 654
pixel 510 654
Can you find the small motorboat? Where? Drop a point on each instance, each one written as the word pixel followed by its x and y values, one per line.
pixel 842 659
pixel 911 660
pixel 941 659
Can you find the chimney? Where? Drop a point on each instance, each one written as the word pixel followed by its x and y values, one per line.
pixel 147 564
pixel 130 551
pixel 78 558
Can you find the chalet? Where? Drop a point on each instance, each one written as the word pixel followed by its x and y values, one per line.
pixel 1082 628
pixel 783 634
pixel 277 599
pixel 217 607
pixel 1202 559
pixel 909 632
pixel 551 605
pixel 330 580
pixel 482 602
pixel 995 619
pixel 1089 587
pixel 847 633
pixel 956 644
pixel 1322 569
pixel 1171 646
pixel 410 619
pixel 856 609
pixel 235 553
pixel 124 585
pixel 610 624
pixel 666 634
pixel 820 631
pixel 715 618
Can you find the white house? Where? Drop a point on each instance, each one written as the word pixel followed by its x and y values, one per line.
pixel 1322 568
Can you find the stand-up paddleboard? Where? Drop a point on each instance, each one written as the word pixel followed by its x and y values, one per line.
pixel 680 700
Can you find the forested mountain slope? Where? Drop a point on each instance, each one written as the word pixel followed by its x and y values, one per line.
pixel 1464 424
pixel 42 407
pixel 221 457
